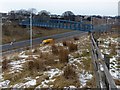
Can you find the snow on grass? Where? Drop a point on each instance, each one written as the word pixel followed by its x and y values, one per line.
pixel 118 86
pixel 45 82
pixel 105 46
pixel 28 78
pixel 70 88
pixel 115 73
pixel 16 66
pixel 106 51
pixel 5 84
pixel 59 44
pixel 26 56
pixel 1 74
pixel 84 77
pixel 32 82
pixel 1 77
pixel 51 73
pixel 74 60
pixel 45 48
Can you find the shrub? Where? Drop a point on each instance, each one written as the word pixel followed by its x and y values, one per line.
pixel 63 55
pixel 69 72
pixel 5 65
pixel 30 65
pixel 72 47
pixel 76 38
pixel 36 65
pixel 64 43
pixel 35 51
pixel 48 57
pixel 54 49
pixel 39 64
pixel 27 48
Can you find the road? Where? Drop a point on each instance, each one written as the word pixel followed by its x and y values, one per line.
pixel 25 43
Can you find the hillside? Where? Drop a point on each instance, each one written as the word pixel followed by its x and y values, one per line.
pixel 11 31
pixel 65 64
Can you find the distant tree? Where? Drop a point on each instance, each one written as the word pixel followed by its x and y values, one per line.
pixel 68 15
pixel 12 15
pixel 45 15
pixel 89 18
pixel 32 10
pixel 22 12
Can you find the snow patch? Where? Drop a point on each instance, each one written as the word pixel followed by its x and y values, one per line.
pixel 70 88
pixel 5 84
pixel 16 66
pixel 115 73
pixel 25 85
pixel 51 74
pixel 84 77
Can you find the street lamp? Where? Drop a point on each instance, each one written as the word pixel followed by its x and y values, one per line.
pixel 31 31
pixel 1 36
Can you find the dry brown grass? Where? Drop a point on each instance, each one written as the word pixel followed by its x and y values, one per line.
pixel 117 82
pixel 87 63
pixel 70 72
pixel 91 83
pixel 63 55
pixel 5 64
pixel 30 58
pixel 49 58
pixel 36 65
pixel 21 33
pixel 61 82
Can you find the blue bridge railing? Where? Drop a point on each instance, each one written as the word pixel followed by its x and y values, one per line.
pixel 55 23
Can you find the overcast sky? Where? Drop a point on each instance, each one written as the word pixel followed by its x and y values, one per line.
pixel 82 7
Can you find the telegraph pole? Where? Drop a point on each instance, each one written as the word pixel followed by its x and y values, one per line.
pixel 1 41
pixel 31 31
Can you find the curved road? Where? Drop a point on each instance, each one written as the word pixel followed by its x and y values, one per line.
pixel 25 43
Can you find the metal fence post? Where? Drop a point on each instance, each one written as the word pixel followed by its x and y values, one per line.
pixel 107 60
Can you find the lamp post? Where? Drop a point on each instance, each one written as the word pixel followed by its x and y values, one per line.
pixel 1 35
pixel 31 31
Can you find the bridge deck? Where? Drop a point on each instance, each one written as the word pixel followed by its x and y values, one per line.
pixel 64 24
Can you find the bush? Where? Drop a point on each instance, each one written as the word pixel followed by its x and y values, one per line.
pixel 72 47
pixel 5 65
pixel 64 43
pixel 55 49
pixel 30 65
pixel 76 38
pixel 63 55
pixel 69 72
pixel 48 57
pixel 36 65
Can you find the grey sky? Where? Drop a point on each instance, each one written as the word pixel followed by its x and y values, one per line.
pixel 88 7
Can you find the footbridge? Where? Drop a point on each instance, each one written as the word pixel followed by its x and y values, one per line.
pixel 56 23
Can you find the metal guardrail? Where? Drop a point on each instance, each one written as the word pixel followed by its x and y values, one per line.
pixel 103 76
pixel 55 23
